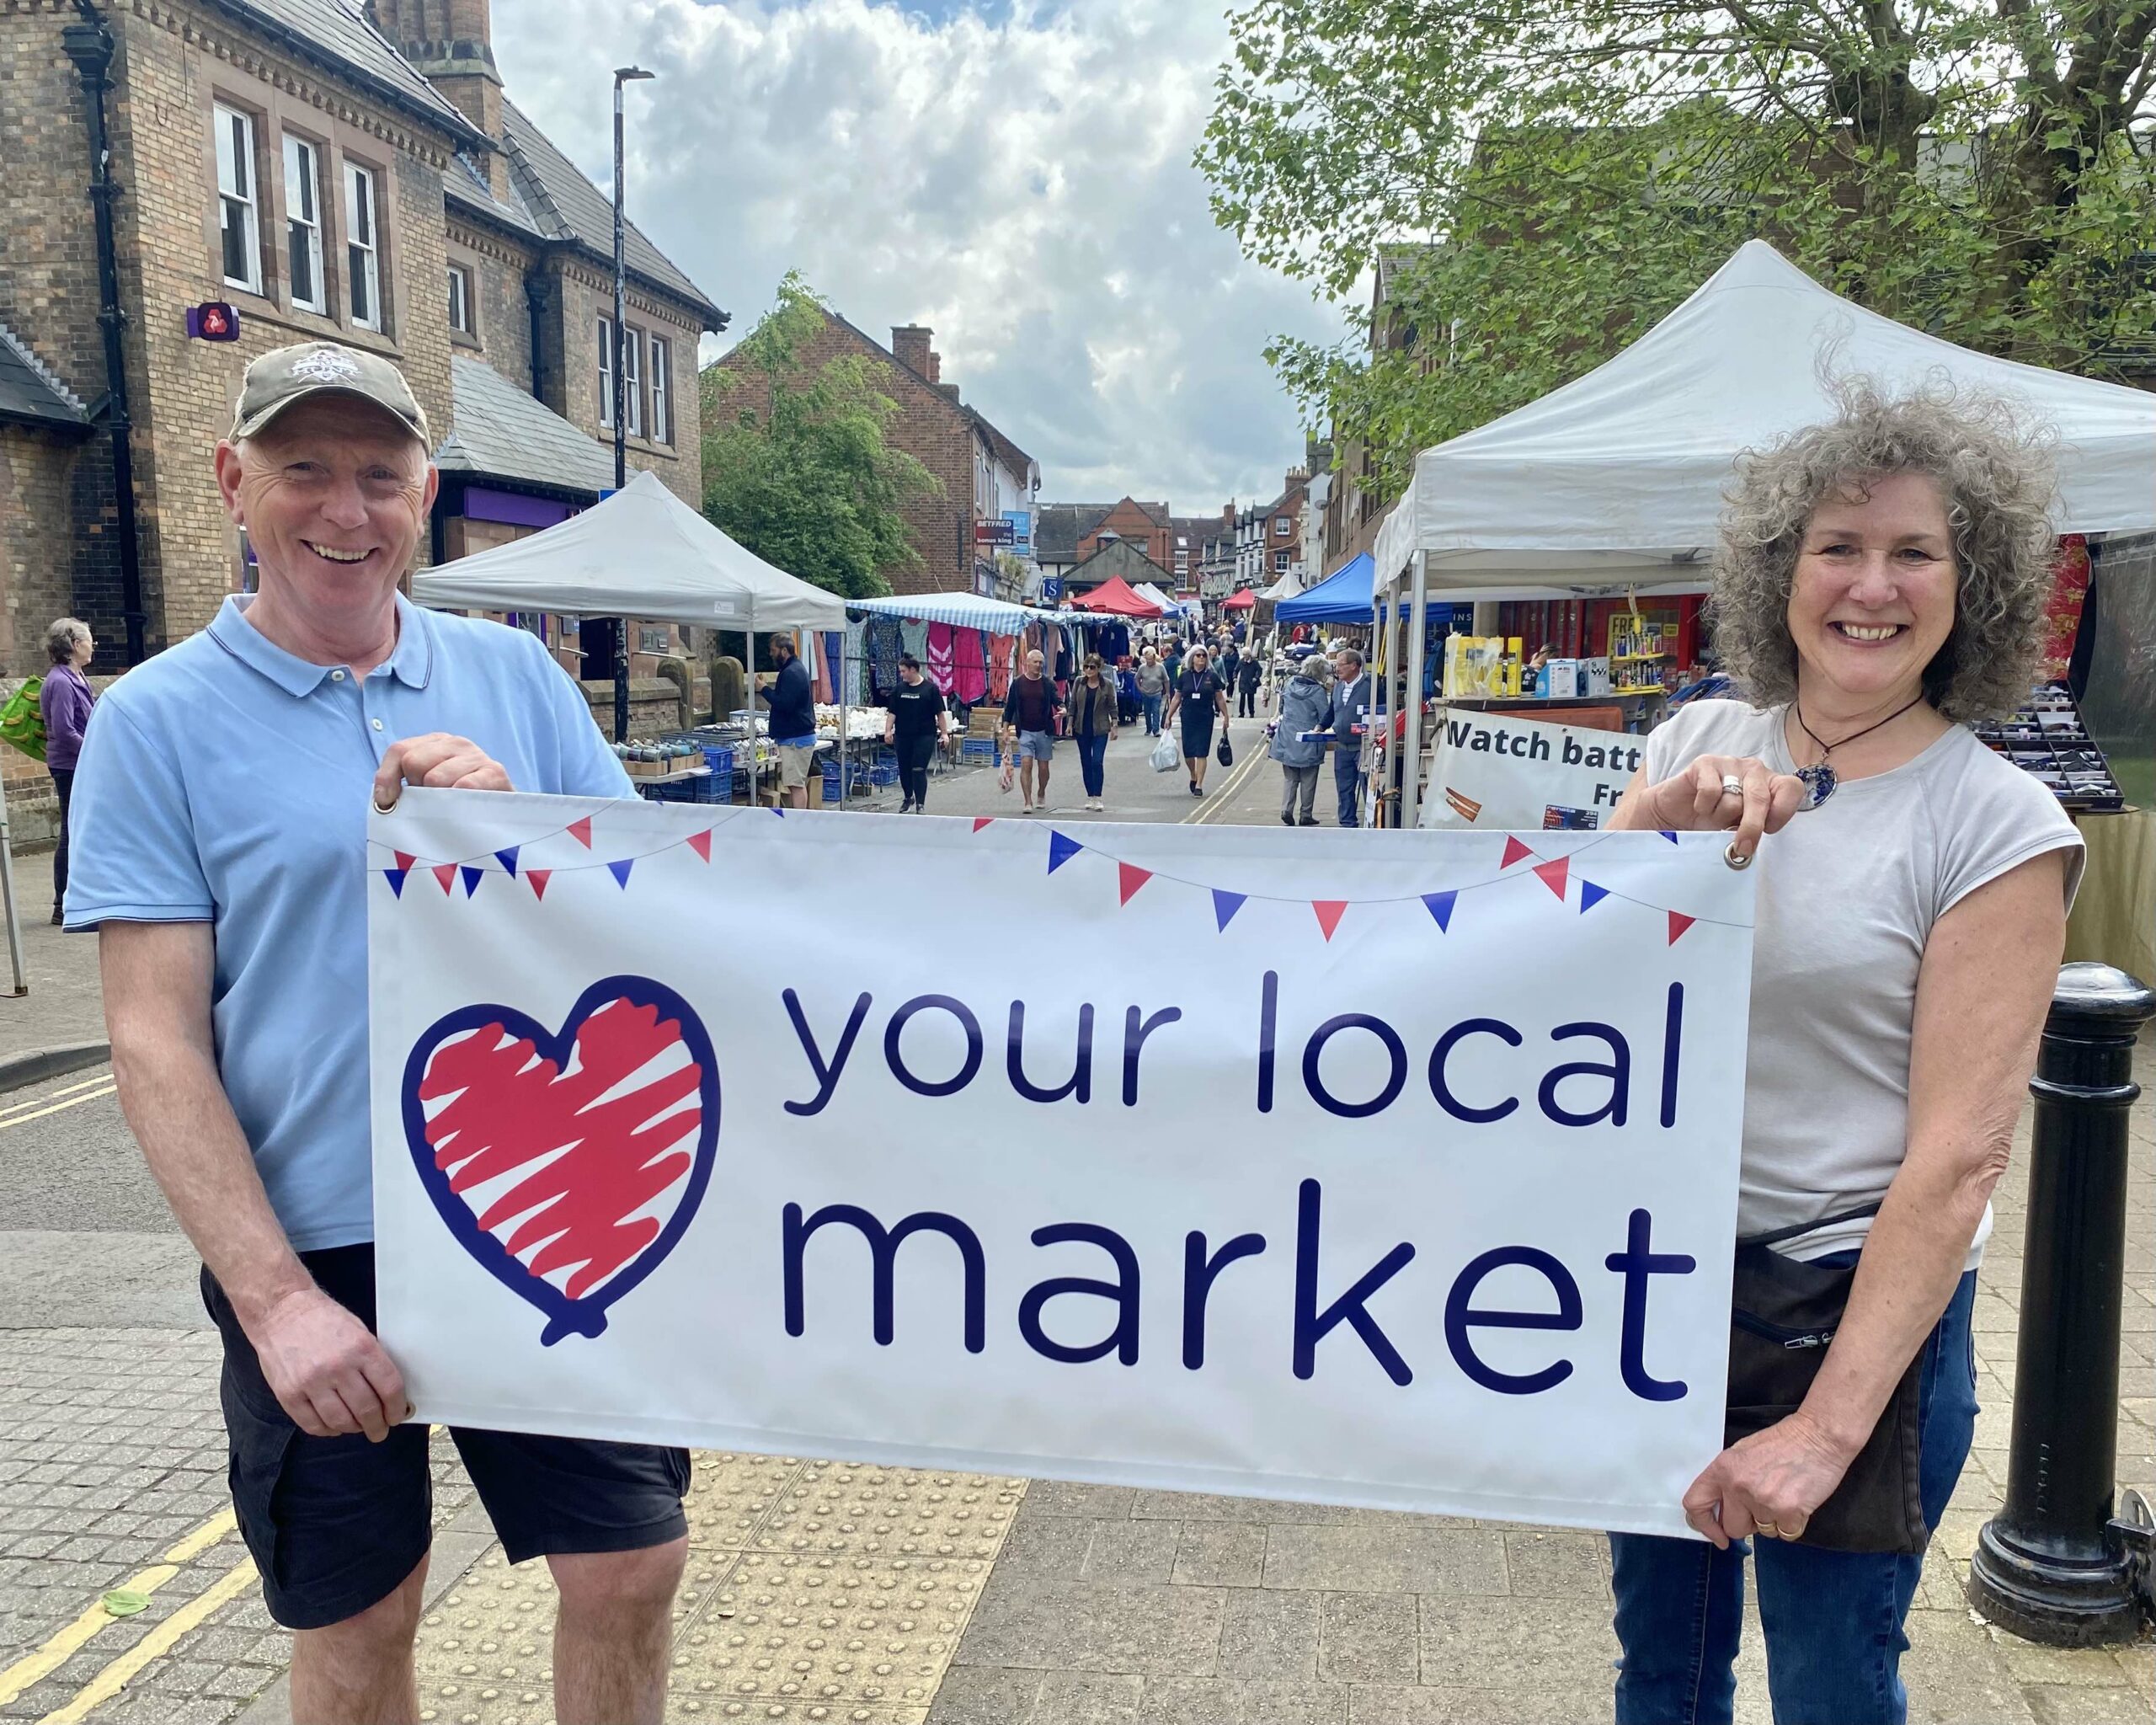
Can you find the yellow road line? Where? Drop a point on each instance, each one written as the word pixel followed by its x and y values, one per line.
pixel 1218 798
pixel 159 1641
pixel 103 1077
pixel 36 1668
pixel 58 1106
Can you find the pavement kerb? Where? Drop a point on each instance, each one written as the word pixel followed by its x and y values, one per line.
pixel 34 1065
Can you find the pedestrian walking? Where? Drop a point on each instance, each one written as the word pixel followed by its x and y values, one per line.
pixel 1248 673
pixel 1225 663
pixel 1351 709
pixel 1029 713
pixel 1153 683
pixel 1173 662
pixel 914 719
pixel 222 854
pixel 1128 703
pixel 1298 743
pixel 1880 583
pixel 792 701
pixel 64 700
pixel 1093 722
pixel 1199 698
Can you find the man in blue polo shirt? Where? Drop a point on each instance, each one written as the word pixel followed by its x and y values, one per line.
pixel 220 836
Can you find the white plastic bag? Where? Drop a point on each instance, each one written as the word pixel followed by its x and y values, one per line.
pixel 1167 756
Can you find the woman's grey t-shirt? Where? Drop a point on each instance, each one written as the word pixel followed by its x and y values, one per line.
pixel 1847 895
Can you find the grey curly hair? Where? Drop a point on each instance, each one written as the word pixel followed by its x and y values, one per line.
pixel 1996 478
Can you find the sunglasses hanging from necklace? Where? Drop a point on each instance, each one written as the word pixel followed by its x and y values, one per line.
pixel 1820 780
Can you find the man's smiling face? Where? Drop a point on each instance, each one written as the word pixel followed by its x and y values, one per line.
pixel 334 493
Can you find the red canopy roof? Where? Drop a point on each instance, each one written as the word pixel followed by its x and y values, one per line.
pixel 1243 600
pixel 1114 596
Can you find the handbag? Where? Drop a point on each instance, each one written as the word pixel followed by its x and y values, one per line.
pixel 22 720
pixel 1783 1314
pixel 1224 754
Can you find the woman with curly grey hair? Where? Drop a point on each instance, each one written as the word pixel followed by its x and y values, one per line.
pixel 64 702
pixel 1880 581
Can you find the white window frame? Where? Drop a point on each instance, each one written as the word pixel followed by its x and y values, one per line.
pixel 238 192
pixel 662 391
pixel 303 222
pixel 605 374
pixel 1282 526
pixel 633 377
pixel 363 245
pixel 1280 562
pixel 460 300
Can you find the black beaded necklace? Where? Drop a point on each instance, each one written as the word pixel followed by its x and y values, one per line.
pixel 1819 780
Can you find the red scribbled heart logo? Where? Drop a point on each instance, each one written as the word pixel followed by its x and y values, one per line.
pixel 569 1163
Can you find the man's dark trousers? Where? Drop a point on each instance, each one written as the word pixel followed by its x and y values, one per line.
pixel 1347 780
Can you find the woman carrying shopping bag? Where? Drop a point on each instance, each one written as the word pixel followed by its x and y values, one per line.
pixel 1199 697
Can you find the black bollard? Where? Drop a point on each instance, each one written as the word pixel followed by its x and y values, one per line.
pixel 2051 1567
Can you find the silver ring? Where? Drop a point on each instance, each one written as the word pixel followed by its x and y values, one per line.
pixel 380 809
pixel 1731 785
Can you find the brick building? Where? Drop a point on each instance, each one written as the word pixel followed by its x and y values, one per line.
pixel 982 476
pixel 1267 540
pixel 330 173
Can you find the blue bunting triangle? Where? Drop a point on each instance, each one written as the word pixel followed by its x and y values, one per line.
pixel 1439 905
pixel 1668 834
pixel 395 877
pixel 1060 851
pixel 508 860
pixel 620 870
pixel 1224 906
pixel 472 879
pixel 1591 895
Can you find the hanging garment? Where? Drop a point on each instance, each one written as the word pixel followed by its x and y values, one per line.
pixel 883 649
pixel 856 655
pixel 941 671
pixel 970 683
pixel 1001 649
pixel 913 638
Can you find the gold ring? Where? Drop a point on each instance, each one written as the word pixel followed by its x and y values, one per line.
pixel 1769 1528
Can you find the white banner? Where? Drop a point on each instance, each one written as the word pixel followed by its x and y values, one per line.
pixel 1495 773
pixel 1391 1169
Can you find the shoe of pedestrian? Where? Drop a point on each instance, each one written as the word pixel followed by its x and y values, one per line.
pixel 1197 790
pixel 59 916
pixel 1287 820
pixel 1307 821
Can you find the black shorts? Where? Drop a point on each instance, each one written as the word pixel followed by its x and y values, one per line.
pixel 335 1524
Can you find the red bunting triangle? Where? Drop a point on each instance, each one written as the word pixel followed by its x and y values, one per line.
pixel 1679 922
pixel 405 860
pixel 580 831
pixel 700 843
pixel 1552 874
pixel 1514 850
pixel 538 877
pixel 981 820
pixel 444 873
pixel 1329 912
pixel 1131 877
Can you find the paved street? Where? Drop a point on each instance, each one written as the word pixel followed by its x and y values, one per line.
pixel 822 1591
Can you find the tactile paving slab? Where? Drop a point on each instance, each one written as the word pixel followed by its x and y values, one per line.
pixel 826 1592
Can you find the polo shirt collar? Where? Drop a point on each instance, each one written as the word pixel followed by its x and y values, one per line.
pixel 411 663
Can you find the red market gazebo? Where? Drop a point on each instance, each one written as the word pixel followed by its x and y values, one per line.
pixel 1114 596
pixel 1242 600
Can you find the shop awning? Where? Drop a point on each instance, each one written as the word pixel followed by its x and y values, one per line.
pixel 960 610
pixel 1342 597
pixel 1114 596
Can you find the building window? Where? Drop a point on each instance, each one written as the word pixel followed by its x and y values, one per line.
pixel 662 399
pixel 363 244
pixel 1280 563
pixel 460 300
pixel 605 374
pixel 632 381
pixel 303 223
pixel 236 214
pixel 1282 526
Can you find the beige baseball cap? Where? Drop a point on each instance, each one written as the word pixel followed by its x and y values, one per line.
pixel 286 375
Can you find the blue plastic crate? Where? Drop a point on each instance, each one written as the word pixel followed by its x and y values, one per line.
pixel 719 759
pixel 882 775
pixel 977 749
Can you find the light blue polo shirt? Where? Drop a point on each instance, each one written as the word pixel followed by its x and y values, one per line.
pixel 226 782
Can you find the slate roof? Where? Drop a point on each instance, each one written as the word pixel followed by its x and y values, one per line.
pixel 498 432
pixel 334 33
pixel 1058 527
pixel 465 182
pixel 1125 557
pixel 565 206
pixel 31 393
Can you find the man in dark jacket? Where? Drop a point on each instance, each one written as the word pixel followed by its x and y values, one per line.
pixel 1248 670
pixel 1352 700
pixel 792 699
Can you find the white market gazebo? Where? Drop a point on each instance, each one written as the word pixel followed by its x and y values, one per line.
pixel 1615 481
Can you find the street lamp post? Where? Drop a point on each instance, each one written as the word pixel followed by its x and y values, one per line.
pixel 622 74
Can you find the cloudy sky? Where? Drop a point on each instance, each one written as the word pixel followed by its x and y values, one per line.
pixel 1015 173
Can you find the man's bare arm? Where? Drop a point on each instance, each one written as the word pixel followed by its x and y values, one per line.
pixel 327 1370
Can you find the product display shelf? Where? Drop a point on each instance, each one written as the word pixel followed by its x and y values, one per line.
pixel 2047 739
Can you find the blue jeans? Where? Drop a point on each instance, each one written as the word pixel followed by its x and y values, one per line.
pixel 1092 760
pixel 1347 780
pixel 1152 714
pixel 1832 1619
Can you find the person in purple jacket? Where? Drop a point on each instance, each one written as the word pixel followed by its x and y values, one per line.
pixel 66 701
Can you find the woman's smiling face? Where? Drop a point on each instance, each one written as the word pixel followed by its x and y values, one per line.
pixel 1872 601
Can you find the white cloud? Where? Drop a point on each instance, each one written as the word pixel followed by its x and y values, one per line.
pixel 1021 182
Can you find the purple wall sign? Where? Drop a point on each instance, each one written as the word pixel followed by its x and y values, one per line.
pixel 512 509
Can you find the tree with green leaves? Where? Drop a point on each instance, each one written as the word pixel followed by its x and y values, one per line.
pixel 796 464
pixel 1549 177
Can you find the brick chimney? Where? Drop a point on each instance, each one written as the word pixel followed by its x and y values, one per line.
pixel 935 368
pixel 1228 516
pixel 452 43
pixel 912 343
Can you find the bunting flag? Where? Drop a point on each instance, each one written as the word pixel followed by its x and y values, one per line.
pixel 700 843
pixel 538 877
pixel 1679 922
pixel 1224 906
pixel 472 879
pixel 446 873
pixel 580 831
pixel 620 870
pixel 395 877
pixel 1130 877
pixel 1591 895
pixel 1440 906
pixel 508 860
pixel 1514 850
pixel 1552 874
pixel 405 859
pixel 1668 834
pixel 1329 912
pixel 1060 850
pixel 982 820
